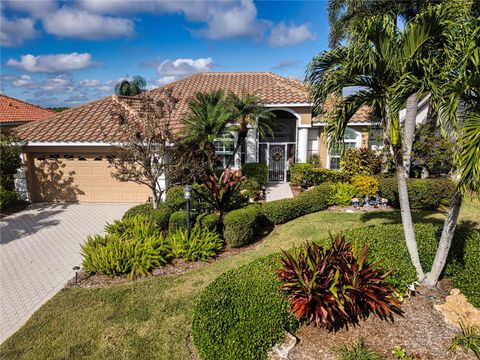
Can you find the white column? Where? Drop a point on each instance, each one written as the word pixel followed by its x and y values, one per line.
pixel 20 181
pixel 251 155
pixel 302 145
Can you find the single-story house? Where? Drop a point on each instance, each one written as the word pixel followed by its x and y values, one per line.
pixel 14 112
pixel 66 155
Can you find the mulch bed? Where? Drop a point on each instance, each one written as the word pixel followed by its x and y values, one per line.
pixel 422 329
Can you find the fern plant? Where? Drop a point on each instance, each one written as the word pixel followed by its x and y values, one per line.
pixel 467 338
pixel 343 194
pixel 202 244
pixel 137 226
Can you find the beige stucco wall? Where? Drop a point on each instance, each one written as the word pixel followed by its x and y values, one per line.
pixel 305 114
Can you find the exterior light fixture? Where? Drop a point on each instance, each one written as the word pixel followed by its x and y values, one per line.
pixel 187 194
pixel 76 269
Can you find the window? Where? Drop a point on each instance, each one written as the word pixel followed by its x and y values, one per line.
pixel 68 156
pixel 97 158
pixel 54 156
pixel 82 158
pixel 41 158
pixel 350 140
pixel 224 150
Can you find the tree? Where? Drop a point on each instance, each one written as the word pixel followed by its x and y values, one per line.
pixel 377 58
pixel 10 152
pixel 248 111
pixel 127 87
pixel 145 137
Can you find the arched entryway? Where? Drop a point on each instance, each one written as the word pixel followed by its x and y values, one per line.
pixel 278 149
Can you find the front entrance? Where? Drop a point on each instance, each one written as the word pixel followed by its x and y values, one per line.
pixel 277 162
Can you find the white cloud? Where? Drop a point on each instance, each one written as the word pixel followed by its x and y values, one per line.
pixel 52 62
pixel 75 23
pixel 35 8
pixel 15 32
pixel 173 70
pixel 58 83
pixel 282 34
pixel 22 81
pixel 90 83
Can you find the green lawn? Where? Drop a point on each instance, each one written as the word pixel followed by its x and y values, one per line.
pixel 150 319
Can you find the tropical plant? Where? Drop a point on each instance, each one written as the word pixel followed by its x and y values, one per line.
pixel 10 153
pixel 343 194
pixel 366 185
pixel 131 87
pixel 379 59
pixel 248 111
pixel 399 353
pixel 360 161
pixel 333 285
pixel 357 351
pixel 468 338
pixel 201 245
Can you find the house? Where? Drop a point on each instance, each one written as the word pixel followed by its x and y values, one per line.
pixel 67 154
pixel 14 112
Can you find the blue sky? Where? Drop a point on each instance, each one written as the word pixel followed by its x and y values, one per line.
pixel 65 53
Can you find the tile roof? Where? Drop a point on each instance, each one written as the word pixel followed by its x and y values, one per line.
pixel 92 122
pixel 14 110
pixel 363 115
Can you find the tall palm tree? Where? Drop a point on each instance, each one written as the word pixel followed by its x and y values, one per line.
pixel 206 121
pixel 248 111
pixel 376 60
pixel 127 87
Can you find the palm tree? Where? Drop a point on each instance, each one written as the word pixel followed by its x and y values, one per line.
pixel 207 121
pixel 248 111
pixel 127 87
pixel 376 60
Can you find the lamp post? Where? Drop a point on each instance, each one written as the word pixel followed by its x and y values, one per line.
pixel 187 194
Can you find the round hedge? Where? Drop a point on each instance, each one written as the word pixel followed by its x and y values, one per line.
pixel 160 215
pixel 242 314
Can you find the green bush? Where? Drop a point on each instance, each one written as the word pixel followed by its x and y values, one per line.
pixel 175 199
pixel 240 226
pixel 313 200
pixel 366 185
pixel 209 221
pixel 133 246
pixel 7 197
pixel 360 161
pixel 310 175
pixel 178 220
pixel 242 314
pixel 343 194
pixel 257 172
pixel 160 215
pixel 202 244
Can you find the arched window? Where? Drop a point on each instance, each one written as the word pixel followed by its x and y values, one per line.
pixel 224 148
pixel 351 139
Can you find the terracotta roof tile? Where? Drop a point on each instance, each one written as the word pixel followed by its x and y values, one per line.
pixel 14 110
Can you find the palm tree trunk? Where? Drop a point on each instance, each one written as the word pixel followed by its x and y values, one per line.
pixel 406 215
pixel 445 240
pixel 410 123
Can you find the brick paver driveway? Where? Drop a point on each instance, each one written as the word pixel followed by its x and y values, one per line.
pixel 38 248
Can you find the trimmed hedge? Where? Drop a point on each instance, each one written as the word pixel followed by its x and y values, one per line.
pixel 178 220
pixel 313 200
pixel 175 199
pixel 242 314
pixel 208 221
pixel 160 215
pixel 7 197
pixel 311 175
pixel 256 171
pixel 424 194
pixel 240 226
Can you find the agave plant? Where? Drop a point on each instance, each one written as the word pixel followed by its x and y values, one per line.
pixel 332 285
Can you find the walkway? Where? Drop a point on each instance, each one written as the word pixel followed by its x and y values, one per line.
pixel 39 246
pixel 278 191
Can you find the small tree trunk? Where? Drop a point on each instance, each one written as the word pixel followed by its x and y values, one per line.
pixel 407 218
pixel 410 124
pixel 445 240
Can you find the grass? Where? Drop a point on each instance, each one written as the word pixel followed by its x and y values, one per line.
pixel 151 318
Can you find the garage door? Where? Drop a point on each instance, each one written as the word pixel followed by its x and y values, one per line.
pixel 81 177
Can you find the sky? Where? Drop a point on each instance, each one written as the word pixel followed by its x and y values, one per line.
pixel 66 53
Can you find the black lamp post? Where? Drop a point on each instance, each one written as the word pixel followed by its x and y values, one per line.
pixel 76 269
pixel 187 193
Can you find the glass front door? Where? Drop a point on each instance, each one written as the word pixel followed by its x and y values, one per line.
pixel 277 161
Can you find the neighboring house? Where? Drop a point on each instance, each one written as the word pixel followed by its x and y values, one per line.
pixel 67 154
pixel 14 112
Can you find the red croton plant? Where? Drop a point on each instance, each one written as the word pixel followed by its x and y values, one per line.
pixel 331 286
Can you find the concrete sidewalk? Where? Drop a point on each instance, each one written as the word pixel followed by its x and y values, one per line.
pixel 278 191
pixel 39 246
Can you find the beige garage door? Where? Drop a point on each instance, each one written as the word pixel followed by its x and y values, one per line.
pixel 81 177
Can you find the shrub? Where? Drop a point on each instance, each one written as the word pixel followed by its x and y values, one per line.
pixel 178 220
pixel 7 197
pixel 240 226
pixel 310 175
pixel 343 194
pixel 242 313
pixel 160 215
pixel 313 200
pixel 133 246
pixel 10 151
pixel 331 285
pixel 360 162
pixel 389 190
pixel 366 185
pixel 257 172
pixel 202 244
pixel 175 199
pixel 314 160
pixel 357 351
pixel 208 221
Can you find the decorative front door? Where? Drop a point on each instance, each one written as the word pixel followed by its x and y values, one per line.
pixel 276 162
